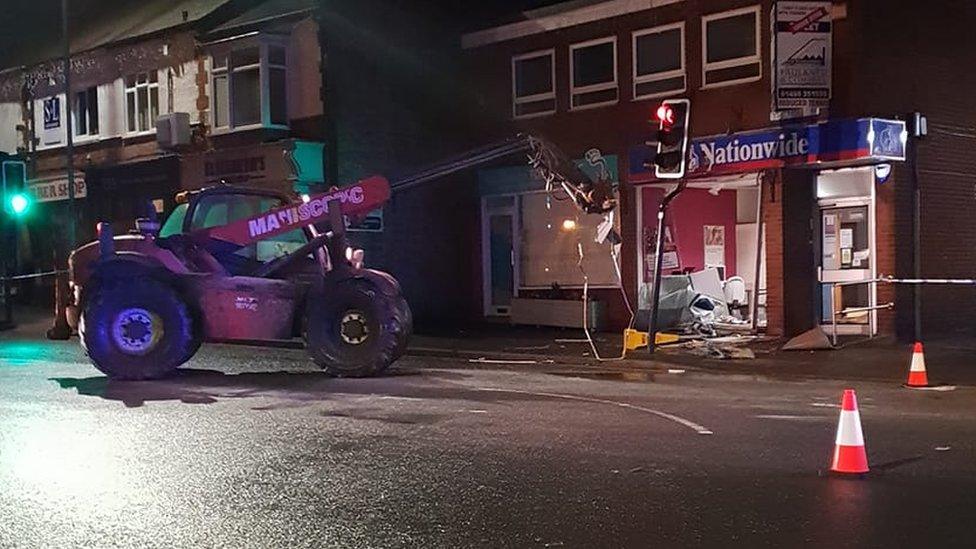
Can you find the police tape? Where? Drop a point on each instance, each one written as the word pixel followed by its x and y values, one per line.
pixel 956 281
pixel 32 275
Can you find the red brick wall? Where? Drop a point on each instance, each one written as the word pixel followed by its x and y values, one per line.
pixel 773 218
pixel 885 242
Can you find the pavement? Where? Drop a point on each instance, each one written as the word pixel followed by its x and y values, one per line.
pixel 254 447
pixel 949 361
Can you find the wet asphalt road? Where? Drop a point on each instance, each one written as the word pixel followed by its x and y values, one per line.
pixel 254 448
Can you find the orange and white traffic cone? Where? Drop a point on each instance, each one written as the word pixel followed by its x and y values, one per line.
pixel 850 455
pixel 916 374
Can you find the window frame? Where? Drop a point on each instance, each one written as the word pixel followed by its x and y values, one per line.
pixel 77 111
pixel 149 86
pixel 573 90
pixel 550 95
pixel 667 75
pixel 264 66
pixel 731 63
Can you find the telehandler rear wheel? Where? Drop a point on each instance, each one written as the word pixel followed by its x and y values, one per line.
pixel 354 328
pixel 137 328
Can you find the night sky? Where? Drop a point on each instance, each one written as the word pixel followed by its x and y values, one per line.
pixel 30 30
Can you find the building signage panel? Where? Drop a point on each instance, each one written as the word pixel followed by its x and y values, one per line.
pixel 837 142
pixel 887 139
pixel 51 133
pixel 802 54
pixel 50 191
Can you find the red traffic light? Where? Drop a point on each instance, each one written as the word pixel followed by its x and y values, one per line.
pixel 665 114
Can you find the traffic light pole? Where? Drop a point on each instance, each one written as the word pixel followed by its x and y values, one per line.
pixel 8 249
pixel 662 211
pixel 69 130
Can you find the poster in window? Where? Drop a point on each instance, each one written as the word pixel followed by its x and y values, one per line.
pixel 670 260
pixel 714 245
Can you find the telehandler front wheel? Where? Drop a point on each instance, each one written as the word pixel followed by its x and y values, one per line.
pixel 355 328
pixel 137 328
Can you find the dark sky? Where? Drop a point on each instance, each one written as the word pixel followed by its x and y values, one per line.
pixel 30 26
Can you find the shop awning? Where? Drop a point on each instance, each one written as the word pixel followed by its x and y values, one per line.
pixel 834 143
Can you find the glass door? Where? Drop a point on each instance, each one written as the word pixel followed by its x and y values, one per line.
pixel 498 230
pixel 847 257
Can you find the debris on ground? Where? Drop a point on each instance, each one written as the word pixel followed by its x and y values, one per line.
pixel 486 360
pixel 529 348
pixel 709 348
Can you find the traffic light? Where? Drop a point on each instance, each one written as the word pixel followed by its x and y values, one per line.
pixel 13 178
pixel 672 138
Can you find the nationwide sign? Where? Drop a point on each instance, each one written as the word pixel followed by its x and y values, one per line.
pixel 801 78
pixel 837 142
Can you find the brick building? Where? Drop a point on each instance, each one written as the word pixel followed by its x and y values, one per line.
pixel 164 97
pixel 833 187
pixel 180 95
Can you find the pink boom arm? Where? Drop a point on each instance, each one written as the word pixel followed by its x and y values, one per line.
pixel 364 196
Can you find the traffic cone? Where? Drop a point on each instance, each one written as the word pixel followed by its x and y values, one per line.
pixel 849 453
pixel 916 374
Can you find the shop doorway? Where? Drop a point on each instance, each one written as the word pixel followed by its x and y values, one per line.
pixel 847 250
pixel 498 231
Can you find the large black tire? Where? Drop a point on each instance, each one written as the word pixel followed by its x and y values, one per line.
pixel 403 310
pixel 356 327
pixel 136 328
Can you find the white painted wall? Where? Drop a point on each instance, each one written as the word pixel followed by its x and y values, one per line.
pixel 111 110
pixel 10 117
pixel 184 87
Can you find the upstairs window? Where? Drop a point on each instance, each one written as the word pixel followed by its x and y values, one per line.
pixel 533 84
pixel 593 73
pixel 141 101
pixel 730 47
pixel 249 87
pixel 659 61
pixel 86 112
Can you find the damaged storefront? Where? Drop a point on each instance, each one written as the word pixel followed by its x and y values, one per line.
pixel 538 250
pixel 777 230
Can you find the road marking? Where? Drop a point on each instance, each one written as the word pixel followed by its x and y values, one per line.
pixel 933 388
pixel 791 417
pixel 824 405
pixel 680 420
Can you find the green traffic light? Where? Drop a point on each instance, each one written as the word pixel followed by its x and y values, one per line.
pixel 19 203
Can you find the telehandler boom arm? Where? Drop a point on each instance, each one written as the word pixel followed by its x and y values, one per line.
pixel 371 193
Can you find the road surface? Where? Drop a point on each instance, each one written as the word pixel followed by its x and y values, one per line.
pixel 253 447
